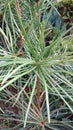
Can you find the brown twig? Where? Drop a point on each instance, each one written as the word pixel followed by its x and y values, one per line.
pixel 18 8
pixel 38 93
pixel 38 3
pixel 38 79
pixel 21 37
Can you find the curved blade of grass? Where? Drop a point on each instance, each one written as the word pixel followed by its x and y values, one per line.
pixel 16 69
pixel 53 83
pixel 47 98
pixel 22 28
pixel 60 87
pixel 65 93
pixel 5 38
pixel 64 80
pixel 14 79
pixel 30 101
pixel 55 88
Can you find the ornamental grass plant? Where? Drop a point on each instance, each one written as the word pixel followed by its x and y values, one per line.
pixel 36 76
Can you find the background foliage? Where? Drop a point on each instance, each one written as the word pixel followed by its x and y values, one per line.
pixel 36 66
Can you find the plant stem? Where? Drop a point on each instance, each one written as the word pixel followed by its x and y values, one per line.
pixel 38 93
pixel 21 38
pixel 38 3
pixel 21 44
pixel 18 8
pixel 38 79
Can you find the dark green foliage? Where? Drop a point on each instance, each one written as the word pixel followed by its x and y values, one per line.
pixel 36 80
